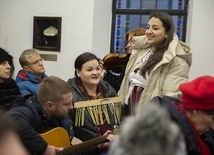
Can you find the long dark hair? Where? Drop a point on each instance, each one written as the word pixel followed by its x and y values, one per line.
pixel 155 58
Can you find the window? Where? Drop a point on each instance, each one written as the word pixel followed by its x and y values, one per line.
pixel 130 14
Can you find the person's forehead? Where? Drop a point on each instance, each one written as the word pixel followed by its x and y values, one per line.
pixel 154 21
pixel 90 63
pixel 35 55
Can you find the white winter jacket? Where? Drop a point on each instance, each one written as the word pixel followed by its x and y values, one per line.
pixel 166 76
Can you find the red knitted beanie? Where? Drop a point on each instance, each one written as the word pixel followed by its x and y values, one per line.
pixel 198 94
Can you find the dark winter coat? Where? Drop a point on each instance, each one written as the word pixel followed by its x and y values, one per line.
pixel 187 130
pixel 90 130
pixel 8 93
pixel 31 119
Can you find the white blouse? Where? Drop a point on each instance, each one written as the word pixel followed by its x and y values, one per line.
pixel 135 78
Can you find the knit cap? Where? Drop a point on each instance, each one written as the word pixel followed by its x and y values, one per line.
pixel 198 94
pixel 5 56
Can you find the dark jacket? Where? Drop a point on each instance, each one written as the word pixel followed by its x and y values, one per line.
pixel 8 93
pixel 179 118
pixel 115 76
pixel 31 119
pixel 90 130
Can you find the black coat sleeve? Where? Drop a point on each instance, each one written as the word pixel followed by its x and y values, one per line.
pixel 26 119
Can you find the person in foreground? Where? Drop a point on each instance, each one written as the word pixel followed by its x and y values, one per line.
pixel 88 85
pixel 159 62
pixel 10 143
pixel 194 114
pixel 8 88
pixel 48 109
pixel 150 133
pixel 29 78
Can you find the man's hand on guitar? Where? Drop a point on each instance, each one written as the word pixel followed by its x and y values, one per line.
pixel 75 141
pixel 109 139
pixel 51 150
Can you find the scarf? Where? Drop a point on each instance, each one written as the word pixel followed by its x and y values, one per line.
pixel 85 94
pixel 100 95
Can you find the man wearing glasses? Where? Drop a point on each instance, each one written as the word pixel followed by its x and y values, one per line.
pixel 33 72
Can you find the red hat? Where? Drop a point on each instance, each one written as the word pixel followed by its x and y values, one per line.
pixel 198 94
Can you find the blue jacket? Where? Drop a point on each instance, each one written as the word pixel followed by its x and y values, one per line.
pixel 27 82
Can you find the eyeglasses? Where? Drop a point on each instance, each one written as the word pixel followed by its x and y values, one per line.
pixel 35 62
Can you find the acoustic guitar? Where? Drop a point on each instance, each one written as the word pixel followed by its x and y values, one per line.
pixel 59 137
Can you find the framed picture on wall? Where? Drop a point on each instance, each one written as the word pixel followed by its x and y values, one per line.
pixel 47 33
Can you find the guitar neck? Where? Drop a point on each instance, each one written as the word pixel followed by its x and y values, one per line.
pixel 78 148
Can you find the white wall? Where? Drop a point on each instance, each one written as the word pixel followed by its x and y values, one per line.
pixel 81 28
pixel 86 26
pixel 200 37
pixel 102 27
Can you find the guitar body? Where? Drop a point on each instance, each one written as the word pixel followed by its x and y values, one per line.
pixel 57 137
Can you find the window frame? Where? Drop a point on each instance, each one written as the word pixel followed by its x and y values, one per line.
pixel 116 11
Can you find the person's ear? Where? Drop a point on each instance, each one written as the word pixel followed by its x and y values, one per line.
pixel 78 72
pixel 26 68
pixel 49 105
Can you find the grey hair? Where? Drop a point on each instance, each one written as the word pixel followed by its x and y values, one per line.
pixel 27 54
pixel 149 133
